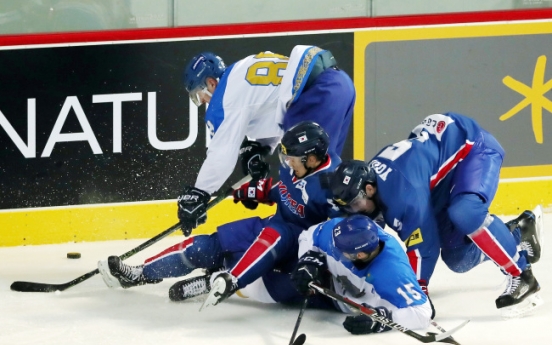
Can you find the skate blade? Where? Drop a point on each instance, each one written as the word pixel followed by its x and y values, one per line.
pixel 108 279
pixel 218 288
pixel 526 307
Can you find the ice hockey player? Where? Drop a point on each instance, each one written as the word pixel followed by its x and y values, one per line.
pixel 261 97
pixel 250 248
pixel 366 265
pixel 434 189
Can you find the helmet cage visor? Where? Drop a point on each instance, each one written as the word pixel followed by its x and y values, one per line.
pixel 288 161
pixel 198 93
pixel 356 204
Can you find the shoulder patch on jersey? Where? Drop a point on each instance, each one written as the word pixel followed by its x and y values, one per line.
pixel 415 238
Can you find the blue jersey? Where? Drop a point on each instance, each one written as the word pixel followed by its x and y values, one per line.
pixel 419 170
pixel 303 202
pixel 386 281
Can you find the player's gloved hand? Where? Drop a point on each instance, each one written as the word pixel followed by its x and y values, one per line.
pixel 423 285
pixel 310 268
pixel 252 155
pixel 252 193
pixel 192 208
pixel 363 324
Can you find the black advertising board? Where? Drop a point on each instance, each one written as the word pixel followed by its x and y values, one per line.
pixel 108 123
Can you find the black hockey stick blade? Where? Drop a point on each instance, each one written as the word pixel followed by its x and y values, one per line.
pixel 300 340
pixel 373 314
pixel 45 287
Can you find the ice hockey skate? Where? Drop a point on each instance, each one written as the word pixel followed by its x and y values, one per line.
pixel 530 225
pixel 115 274
pixel 223 285
pixel 521 295
pixel 189 288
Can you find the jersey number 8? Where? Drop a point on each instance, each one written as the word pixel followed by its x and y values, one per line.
pixel 264 73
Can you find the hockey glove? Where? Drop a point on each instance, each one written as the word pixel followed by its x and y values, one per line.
pixel 310 268
pixel 252 155
pixel 363 324
pixel 192 208
pixel 254 192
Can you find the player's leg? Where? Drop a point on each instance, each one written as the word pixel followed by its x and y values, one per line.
pixel 329 101
pixel 277 241
pixel 527 230
pixel 201 251
pixel 476 181
pixel 232 239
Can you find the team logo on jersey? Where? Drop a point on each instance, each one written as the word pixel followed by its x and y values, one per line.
pixel 211 129
pixel 302 138
pixel 397 224
pixel 295 207
pixel 414 239
pixel 350 287
pixel 302 186
pixel 440 126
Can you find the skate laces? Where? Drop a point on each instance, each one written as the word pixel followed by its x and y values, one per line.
pixel 513 283
pixel 527 247
pixel 132 273
pixel 195 287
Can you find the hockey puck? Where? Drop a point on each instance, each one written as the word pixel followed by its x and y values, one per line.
pixel 73 255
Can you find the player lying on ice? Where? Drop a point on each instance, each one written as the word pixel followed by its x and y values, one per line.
pixel 355 258
pixel 434 189
pixel 260 97
pixel 251 248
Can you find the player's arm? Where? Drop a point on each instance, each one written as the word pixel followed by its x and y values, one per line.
pixel 223 151
pixel 219 164
pixel 421 239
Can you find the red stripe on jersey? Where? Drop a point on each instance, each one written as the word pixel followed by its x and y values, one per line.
pixel 266 240
pixel 180 247
pixel 415 261
pixel 492 248
pixel 450 164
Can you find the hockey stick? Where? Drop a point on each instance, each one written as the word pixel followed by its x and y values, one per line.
pixel 451 339
pixel 302 337
pixel 43 287
pixel 373 314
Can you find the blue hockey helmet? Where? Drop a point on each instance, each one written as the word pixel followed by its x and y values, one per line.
pixel 306 137
pixel 200 68
pixel 348 182
pixel 355 234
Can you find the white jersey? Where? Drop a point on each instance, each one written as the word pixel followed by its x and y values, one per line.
pixel 245 103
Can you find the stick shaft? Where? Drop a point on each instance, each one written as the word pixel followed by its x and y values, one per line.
pixel 44 287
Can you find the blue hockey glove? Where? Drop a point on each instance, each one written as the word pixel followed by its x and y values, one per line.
pixel 192 208
pixel 363 324
pixel 252 155
pixel 310 268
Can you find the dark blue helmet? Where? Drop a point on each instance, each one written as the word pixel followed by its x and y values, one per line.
pixel 198 70
pixel 355 234
pixel 305 138
pixel 349 181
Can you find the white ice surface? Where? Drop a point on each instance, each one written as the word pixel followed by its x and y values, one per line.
pixel 90 313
